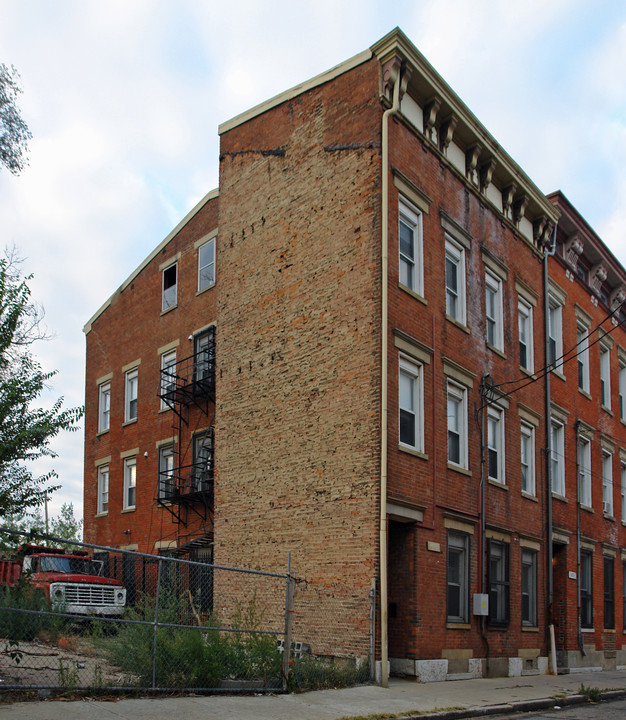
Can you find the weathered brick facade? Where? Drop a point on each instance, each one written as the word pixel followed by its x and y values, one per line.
pixel 302 313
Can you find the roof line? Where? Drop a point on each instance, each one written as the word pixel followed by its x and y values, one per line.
pixel 293 92
pixel 209 196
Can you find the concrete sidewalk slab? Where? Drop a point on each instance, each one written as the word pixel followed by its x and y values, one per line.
pixel 402 696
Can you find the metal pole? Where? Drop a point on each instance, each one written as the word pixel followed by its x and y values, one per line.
pixel 156 622
pixel 289 605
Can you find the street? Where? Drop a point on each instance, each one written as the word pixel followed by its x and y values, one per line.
pixel 592 711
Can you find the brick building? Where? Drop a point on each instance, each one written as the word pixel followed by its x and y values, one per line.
pixel 341 355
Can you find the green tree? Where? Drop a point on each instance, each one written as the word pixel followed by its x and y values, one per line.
pixel 14 133
pixel 65 525
pixel 26 428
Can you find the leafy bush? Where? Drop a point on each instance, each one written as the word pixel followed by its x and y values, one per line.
pixel 316 673
pixel 192 657
pixel 18 626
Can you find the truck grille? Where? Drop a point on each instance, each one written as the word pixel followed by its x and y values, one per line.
pixel 89 595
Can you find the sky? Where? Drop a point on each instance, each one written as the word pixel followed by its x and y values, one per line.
pixel 124 98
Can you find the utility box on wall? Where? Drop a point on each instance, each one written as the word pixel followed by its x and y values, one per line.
pixel 481 604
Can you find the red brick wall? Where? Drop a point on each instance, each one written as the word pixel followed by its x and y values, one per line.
pixel 133 328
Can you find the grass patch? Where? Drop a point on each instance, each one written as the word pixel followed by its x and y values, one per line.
pixel 593 694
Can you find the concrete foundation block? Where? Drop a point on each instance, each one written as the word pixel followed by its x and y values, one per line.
pixel 516 666
pixel 431 670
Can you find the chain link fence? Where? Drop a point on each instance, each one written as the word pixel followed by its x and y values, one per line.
pixel 80 617
pixel 87 617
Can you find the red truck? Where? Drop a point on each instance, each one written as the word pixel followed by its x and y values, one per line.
pixel 72 581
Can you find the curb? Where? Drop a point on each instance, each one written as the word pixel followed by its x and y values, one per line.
pixel 516 707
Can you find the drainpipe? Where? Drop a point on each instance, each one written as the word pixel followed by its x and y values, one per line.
pixel 384 671
pixel 548 252
pixel 578 498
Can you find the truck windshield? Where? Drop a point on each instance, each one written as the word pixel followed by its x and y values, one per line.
pixel 63 564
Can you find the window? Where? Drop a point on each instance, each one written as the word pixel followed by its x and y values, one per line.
pixel 166 471
pixel 457 425
pixel 495 444
pixel 528 458
pixel 584 469
pixel 529 588
pixel 607 483
pixel 609 593
pixel 555 333
pixel 493 311
pixel 168 376
pixel 104 407
pixel 410 400
pixel 132 386
pixel 103 489
pixel 624 594
pixel 204 354
pixel 605 377
pixel 525 326
pixel 206 265
pixel 623 493
pixel 170 287
pixel 622 392
pixel 557 465
pixel 203 461
pixel 582 336
pixel 458 577
pixel 586 589
pixel 130 483
pixel 410 234
pixel 498 583
pixel 455 281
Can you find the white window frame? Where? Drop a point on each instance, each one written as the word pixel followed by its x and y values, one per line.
pixel 206 265
pixel 582 349
pixel 623 489
pixel 495 444
pixel 584 471
pixel 414 372
pixel 525 332
pixel 169 294
pixel 622 391
pixel 166 466
pixel 103 490
pixel 131 395
pixel 455 256
pixel 529 586
pixel 411 269
pixel 457 395
pixel 104 407
pixel 605 376
pixel 555 332
pixel 607 483
pixel 168 360
pixel 527 457
pixel 557 447
pixel 130 483
pixel 494 330
pixel 458 544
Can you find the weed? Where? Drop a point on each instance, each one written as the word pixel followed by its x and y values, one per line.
pixel 593 694
pixel 315 673
pixel 68 676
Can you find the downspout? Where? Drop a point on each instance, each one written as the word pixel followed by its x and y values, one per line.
pixel 384 670
pixel 482 560
pixel 548 252
pixel 578 615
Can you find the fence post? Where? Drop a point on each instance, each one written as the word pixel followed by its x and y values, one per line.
pixel 289 605
pixel 156 623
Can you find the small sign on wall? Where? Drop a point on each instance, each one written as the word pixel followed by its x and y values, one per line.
pixel 572 575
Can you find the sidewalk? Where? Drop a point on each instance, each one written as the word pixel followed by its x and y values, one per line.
pixel 402 696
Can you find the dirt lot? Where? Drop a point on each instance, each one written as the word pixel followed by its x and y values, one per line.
pixel 68 663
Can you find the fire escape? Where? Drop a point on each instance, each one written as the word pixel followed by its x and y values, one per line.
pixel 187 387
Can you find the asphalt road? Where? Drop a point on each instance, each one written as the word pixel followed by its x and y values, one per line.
pixel 615 710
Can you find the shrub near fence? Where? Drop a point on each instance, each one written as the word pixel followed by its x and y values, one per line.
pixel 187 625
